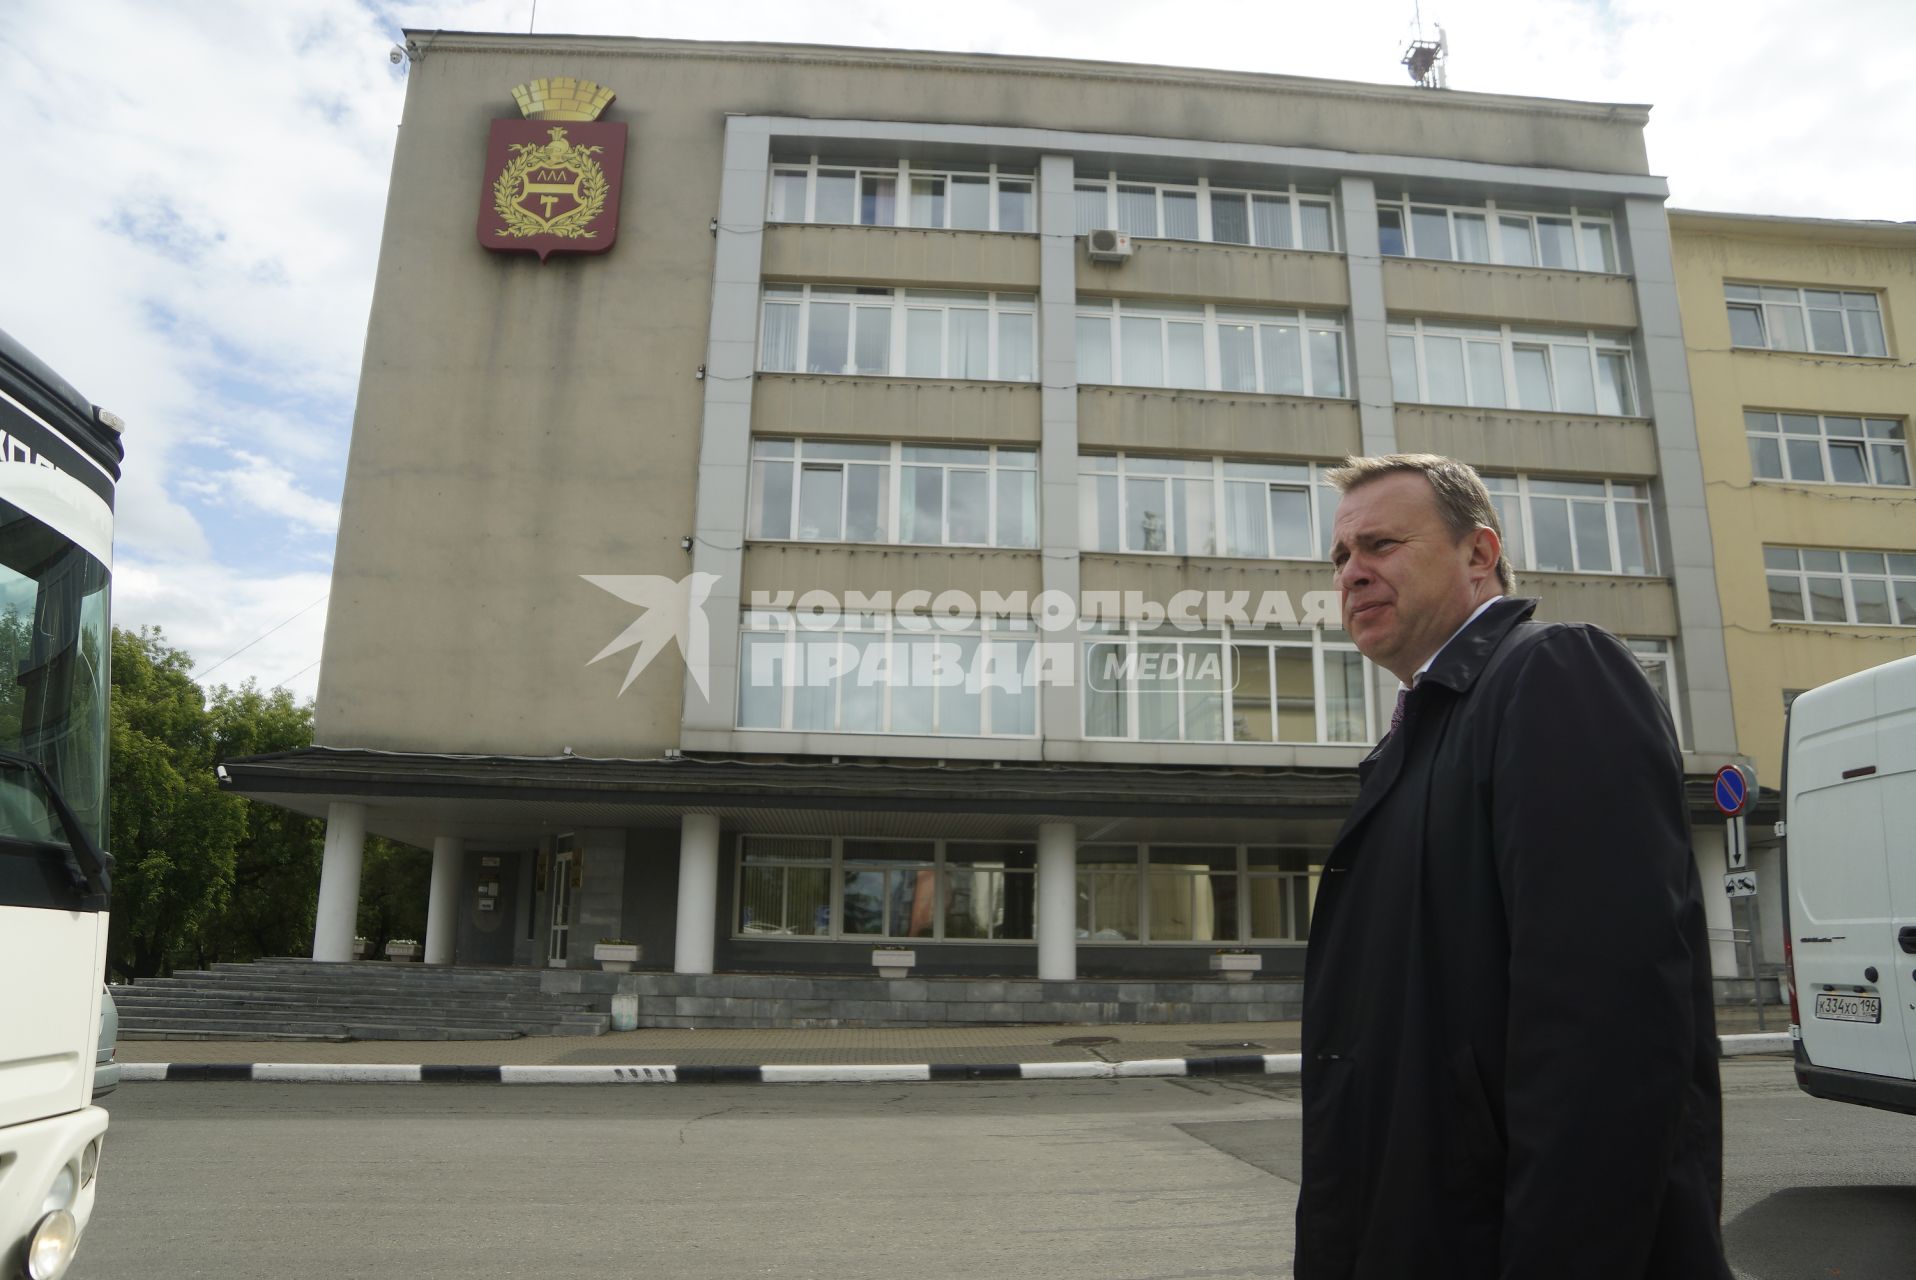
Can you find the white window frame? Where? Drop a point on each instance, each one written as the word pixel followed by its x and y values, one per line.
pixel 999 641
pixel 1202 191
pixel 898 304
pixel 1311 479
pixel 1756 300
pixel 1114 311
pixel 1899 569
pixel 835 863
pixel 1619 497
pixel 1877 436
pixel 1493 215
pixel 1657 654
pixel 1590 345
pixel 998 179
pixel 997 460
pixel 1226 639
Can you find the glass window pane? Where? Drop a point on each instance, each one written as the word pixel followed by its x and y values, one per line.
pixel 969 517
pixel 1892 463
pixel 867 493
pixel 1104 709
pixel 1633 539
pixel 771 515
pixel 1147 521
pixel 861 684
pixel 1014 206
pixel 1157 682
pixel 1013 697
pixel 1314 224
pixel 1872 600
pixel 1403 368
pixel 1846 463
pixel 1555 245
pixel 814 694
pixel 828 342
pixel 1801 424
pixel 1593 537
pixel 1291 523
pixel 788 195
pixel 1237 356
pixel 821 500
pixel 874 340
pixel 914 701
pixel 1746 327
pixel 1250 693
pixel 1599 251
pixel 1017 509
pixel 1781 558
pixel 1390 234
pixel 1742 292
pixel 1230 218
pixel 1187 355
pixel 1296 695
pixel 1245 517
pixel 1180 215
pixel 1766 458
pixel 1203 693
pixel 960 698
pixel 1866 329
pixel 761 680
pixel 1107 900
pixel 1826 330
pixel 1550 526
pixel 1905 589
pixel 1786 597
pixel 1344 713
pixel 1785 324
pixel 1138 210
pixel 968 343
pixel 1823 561
pixel 781 337
pixel 1826 600
pixel 1806 460
pixel 1444 369
pixel 877 200
pixel 1533 378
pixel 1094 349
pixel 1486 374
pixel 1472 237
pixel 1098 513
pixel 970 203
pixel 1194 525
pixel 1514 241
pixel 1430 234
pixel 1092 204
pixel 1142 358
pixel 924 340
pixel 1283 361
pixel 1576 393
pixel 1327 364
pixel 1613 383
pixel 927 202
pixel 1271 221
pixel 835 197
pixel 1017 347
pixel 862 910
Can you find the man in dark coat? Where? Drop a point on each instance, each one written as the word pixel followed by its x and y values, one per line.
pixel 1509 1040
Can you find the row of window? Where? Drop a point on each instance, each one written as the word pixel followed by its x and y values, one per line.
pixel 904 195
pixel 1575 240
pixel 1271 219
pixel 979 891
pixel 1865 588
pixel 851 491
pixel 913 333
pixel 1498 366
pixel 1811 448
pixel 1791 319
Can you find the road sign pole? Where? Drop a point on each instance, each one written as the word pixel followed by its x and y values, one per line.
pixel 1756 956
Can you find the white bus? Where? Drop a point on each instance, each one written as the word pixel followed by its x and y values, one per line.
pixel 1849 779
pixel 59 463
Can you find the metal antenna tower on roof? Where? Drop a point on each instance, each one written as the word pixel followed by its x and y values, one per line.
pixel 1425 58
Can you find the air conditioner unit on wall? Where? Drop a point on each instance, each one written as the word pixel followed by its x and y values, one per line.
pixel 1108 245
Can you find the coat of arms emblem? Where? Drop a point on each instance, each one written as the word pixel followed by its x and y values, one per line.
pixel 554 187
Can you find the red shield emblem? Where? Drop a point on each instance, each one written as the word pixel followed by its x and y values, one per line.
pixel 552 186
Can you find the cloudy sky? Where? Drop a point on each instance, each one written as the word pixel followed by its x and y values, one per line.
pixel 197 188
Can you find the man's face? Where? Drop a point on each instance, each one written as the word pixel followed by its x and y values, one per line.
pixel 1408 582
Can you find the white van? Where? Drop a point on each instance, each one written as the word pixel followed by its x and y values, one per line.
pixel 1849 778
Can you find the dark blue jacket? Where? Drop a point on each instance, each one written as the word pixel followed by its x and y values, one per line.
pixel 1509 1035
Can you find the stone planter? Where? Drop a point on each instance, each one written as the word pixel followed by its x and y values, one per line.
pixel 893 962
pixel 1237 968
pixel 616 957
pixel 361 948
pixel 404 952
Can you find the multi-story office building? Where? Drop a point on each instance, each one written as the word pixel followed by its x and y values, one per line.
pixel 1798 332
pixel 911 363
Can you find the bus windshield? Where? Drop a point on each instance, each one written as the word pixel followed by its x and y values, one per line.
pixel 55 647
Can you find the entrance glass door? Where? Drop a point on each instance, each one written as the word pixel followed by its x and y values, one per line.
pixel 559 939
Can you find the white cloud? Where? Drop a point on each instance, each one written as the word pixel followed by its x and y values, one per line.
pixel 259 484
pixel 276 623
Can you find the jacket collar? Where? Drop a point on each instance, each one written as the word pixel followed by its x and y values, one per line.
pixel 1465 657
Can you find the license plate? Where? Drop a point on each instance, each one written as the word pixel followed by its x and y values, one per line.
pixel 1841 1008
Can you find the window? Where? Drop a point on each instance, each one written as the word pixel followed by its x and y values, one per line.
pixel 1207 347
pixel 882 675
pixel 1573 239
pixel 1179 893
pixel 1812 448
pixel 1574 526
pixel 1863 588
pixel 1496 367
pixel 913 333
pixel 904 195
pixel 1204 507
pixel 1659 668
pixel 1271 219
pixel 930 890
pixel 1790 319
pixel 933 495
pixel 1226 685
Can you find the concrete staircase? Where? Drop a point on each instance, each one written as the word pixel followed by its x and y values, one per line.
pixel 370 1000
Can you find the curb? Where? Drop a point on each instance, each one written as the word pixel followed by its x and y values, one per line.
pixel 1271 1064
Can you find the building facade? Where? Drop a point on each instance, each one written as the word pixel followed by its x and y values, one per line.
pixel 1798 331
pixel 906 364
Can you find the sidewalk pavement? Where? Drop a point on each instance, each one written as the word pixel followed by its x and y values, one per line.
pixel 836 1046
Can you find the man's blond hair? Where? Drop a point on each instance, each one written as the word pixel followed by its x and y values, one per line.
pixel 1462 499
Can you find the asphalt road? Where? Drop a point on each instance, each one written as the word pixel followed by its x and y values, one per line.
pixel 1108 1179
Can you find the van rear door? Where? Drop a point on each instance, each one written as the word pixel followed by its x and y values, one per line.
pixel 1843 916
pixel 1896 771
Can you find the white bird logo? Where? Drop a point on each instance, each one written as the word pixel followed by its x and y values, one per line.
pixel 673 611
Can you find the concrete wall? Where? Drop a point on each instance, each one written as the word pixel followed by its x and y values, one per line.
pixel 902 257
pixel 1767 657
pixel 1210 423
pixel 802 404
pixel 1422 287
pixel 1548 444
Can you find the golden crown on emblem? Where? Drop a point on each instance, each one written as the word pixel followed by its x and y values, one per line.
pixel 562 98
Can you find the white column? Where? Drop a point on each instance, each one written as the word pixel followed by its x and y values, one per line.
pixel 442 902
pixel 338 914
pixel 1057 902
pixel 698 893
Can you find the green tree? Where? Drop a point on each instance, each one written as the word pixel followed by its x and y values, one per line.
pixel 175 836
